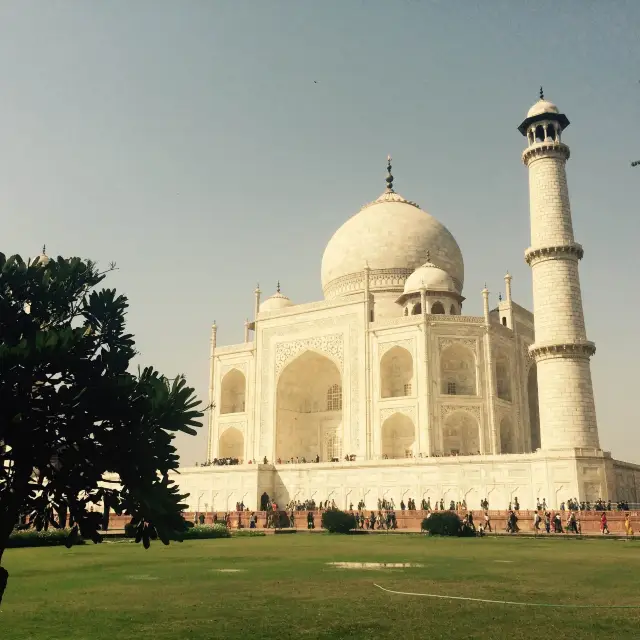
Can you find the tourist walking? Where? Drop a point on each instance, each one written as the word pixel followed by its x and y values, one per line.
pixel 604 526
pixel 536 523
pixel 627 524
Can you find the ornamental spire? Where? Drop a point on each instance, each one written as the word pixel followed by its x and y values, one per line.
pixel 389 177
pixel 278 287
pixel 541 94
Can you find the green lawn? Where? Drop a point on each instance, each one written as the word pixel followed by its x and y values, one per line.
pixel 285 589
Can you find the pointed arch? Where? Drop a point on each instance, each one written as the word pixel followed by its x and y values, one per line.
pixel 398 436
pixel 460 434
pixel 396 373
pixel 507 436
pixel 503 376
pixel 308 407
pixel 437 308
pixel 534 410
pixel 458 371
pixel 232 392
pixel 231 444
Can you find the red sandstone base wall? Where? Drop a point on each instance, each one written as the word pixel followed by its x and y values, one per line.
pixel 411 520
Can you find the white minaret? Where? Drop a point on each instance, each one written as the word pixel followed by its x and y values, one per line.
pixel 561 349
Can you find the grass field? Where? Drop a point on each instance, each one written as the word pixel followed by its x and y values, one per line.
pixel 286 589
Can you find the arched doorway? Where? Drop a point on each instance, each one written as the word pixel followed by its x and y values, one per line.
pixel 232 393
pixel 458 371
pixel 309 409
pixel 231 444
pixel 503 377
pixel 460 434
pixel 507 437
pixel 534 410
pixel 396 373
pixel 398 436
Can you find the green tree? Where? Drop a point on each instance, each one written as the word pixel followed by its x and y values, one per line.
pixel 71 413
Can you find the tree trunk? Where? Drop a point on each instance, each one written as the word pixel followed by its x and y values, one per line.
pixel 9 514
pixel 6 527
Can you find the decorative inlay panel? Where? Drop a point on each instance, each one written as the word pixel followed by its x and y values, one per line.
pixel 240 366
pixel 470 343
pixel 332 345
pixel 383 347
pixel 410 412
pixel 447 409
pixel 241 425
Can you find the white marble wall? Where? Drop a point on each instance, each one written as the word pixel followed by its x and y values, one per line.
pixel 582 474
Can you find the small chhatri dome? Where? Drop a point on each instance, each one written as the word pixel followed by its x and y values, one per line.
pixel 43 258
pixel 277 301
pixel 542 106
pixel 543 110
pixel 431 278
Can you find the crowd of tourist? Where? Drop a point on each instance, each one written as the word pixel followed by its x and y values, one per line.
pixel 220 462
pixel 598 505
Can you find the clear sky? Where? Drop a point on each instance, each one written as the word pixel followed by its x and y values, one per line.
pixel 188 142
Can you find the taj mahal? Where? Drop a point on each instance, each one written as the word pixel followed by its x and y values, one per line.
pixel 386 389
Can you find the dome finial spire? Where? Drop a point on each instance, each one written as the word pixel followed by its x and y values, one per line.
pixel 389 177
pixel 44 249
pixel 278 287
pixel 541 94
pixel 428 255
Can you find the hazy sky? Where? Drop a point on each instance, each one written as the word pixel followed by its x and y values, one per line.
pixel 188 142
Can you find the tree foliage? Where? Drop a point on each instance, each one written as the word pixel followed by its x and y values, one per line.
pixel 77 428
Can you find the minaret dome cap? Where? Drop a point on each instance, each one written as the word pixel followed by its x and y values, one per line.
pixel 543 109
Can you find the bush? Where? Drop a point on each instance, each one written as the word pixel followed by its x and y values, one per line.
pixel 335 521
pixel 446 523
pixel 33 538
pixel 130 530
pixel 205 531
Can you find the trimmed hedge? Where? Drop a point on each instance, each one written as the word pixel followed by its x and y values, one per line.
pixel 335 521
pixel 196 532
pixel 33 538
pixel 247 533
pixel 446 523
pixel 205 531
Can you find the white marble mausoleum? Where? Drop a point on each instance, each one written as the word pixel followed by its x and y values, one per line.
pixel 389 371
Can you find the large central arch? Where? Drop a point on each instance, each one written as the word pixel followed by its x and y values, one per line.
pixel 309 409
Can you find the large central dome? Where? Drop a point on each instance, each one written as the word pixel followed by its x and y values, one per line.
pixel 393 237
